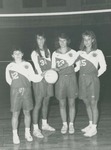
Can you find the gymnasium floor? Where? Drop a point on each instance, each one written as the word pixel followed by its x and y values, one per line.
pixel 55 140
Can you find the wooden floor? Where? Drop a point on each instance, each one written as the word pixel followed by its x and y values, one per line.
pixel 55 140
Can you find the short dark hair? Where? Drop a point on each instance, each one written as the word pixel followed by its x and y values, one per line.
pixel 62 36
pixel 15 48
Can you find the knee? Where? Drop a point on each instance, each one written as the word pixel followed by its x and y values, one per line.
pixel 45 102
pixel 37 105
pixel 26 113
pixel 71 103
pixel 62 104
pixel 87 104
pixel 94 103
pixel 15 114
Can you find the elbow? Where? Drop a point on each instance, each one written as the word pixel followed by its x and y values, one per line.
pixel 9 82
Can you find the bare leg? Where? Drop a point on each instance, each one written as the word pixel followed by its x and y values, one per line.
pixel 93 129
pixel 15 116
pixel 89 110
pixel 94 111
pixel 36 109
pixel 45 125
pixel 71 109
pixel 71 114
pixel 45 107
pixel 62 104
pixel 27 119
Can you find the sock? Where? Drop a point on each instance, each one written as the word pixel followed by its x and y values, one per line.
pixel 35 126
pixel 15 132
pixel 94 126
pixel 90 122
pixel 71 123
pixel 27 130
pixel 44 122
pixel 65 123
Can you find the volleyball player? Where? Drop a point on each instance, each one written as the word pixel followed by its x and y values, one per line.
pixel 66 87
pixel 92 65
pixel 42 90
pixel 19 73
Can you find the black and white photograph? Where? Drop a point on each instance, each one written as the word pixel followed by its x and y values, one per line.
pixel 55 74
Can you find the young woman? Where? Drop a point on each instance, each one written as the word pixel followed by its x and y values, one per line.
pixel 42 90
pixel 66 87
pixel 19 73
pixel 92 65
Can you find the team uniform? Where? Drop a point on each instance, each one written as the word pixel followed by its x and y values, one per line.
pixel 18 76
pixel 91 65
pixel 66 86
pixel 42 88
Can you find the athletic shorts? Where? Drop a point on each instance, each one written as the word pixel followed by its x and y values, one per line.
pixel 89 87
pixel 21 98
pixel 42 89
pixel 66 87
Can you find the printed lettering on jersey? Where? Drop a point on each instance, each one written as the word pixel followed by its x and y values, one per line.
pixel 60 62
pixel 83 62
pixel 92 57
pixel 87 67
pixel 14 75
pixel 43 62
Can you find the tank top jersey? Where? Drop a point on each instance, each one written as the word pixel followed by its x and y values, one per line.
pixel 63 59
pixel 19 80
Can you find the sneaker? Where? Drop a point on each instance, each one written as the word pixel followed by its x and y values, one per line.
pixel 71 129
pixel 37 133
pixel 16 139
pixel 64 129
pixel 28 137
pixel 47 127
pixel 86 129
pixel 91 132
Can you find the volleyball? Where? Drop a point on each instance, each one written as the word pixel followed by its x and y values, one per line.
pixel 51 76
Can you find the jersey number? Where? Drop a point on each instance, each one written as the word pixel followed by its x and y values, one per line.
pixel 60 63
pixel 83 62
pixel 15 75
pixel 42 62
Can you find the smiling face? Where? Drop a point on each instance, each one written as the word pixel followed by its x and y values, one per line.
pixel 40 40
pixel 87 41
pixel 17 55
pixel 62 42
